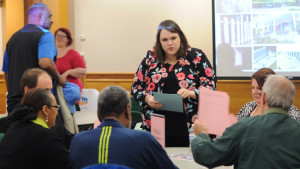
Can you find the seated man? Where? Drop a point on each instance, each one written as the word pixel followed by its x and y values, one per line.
pixel 113 142
pixel 266 141
pixel 39 78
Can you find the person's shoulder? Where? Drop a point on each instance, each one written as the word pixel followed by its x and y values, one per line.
pixel 150 53
pixel 86 134
pixel 142 135
pixel 73 51
pixel 193 53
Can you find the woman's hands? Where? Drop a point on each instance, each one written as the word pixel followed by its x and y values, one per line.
pixel 152 103
pixel 184 93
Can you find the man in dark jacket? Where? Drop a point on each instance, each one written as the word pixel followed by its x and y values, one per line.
pixel 264 141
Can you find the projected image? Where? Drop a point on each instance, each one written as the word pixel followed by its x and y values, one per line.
pixel 235 29
pixel 289 60
pixel 259 33
pixel 267 5
pixel 265 56
pixel 274 28
pixel 234 6
pixel 236 59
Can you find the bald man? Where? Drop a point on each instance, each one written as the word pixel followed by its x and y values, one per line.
pixel 39 78
pixel 32 46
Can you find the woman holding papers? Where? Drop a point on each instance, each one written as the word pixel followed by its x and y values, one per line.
pixel 173 67
pixel 253 108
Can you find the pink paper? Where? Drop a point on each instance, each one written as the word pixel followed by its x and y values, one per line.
pixel 158 128
pixel 213 110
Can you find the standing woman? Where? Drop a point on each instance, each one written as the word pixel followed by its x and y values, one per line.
pixel 171 67
pixel 29 142
pixel 69 63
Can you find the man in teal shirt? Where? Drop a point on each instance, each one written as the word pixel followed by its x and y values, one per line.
pixel 267 141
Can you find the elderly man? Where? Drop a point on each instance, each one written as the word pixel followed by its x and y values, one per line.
pixel 38 78
pixel 266 141
pixel 113 142
pixel 32 46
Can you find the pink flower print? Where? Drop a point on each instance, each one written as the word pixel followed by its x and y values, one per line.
pixel 180 76
pixel 183 84
pixel 187 62
pixel 197 59
pixel 140 75
pixel 153 65
pixel 202 79
pixel 208 72
pixel 139 87
pixel 156 78
pixel 151 86
pixel 191 76
pixel 192 88
pixel 164 75
pixel 148 122
pixel 163 69
pixel 171 68
pixel 181 62
pixel 135 78
pixel 147 79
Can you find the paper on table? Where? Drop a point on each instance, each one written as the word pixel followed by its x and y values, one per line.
pixel 214 110
pixel 158 128
pixel 171 102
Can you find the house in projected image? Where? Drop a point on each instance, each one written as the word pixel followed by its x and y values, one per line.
pixel 274 28
pixel 289 60
pixel 265 56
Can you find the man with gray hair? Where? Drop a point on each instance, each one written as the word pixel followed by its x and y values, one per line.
pixel 30 47
pixel 266 141
pixel 113 142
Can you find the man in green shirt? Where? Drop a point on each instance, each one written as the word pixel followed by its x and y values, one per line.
pixel 267 141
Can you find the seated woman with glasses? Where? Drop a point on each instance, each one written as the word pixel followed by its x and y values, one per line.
pixel 29 142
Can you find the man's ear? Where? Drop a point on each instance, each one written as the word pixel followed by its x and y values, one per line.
pixel 26 89
pixel 263 98
pixel 128 112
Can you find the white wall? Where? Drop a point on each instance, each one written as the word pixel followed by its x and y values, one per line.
pixel 118 33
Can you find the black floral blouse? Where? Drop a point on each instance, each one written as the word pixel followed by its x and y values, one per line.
pixel 192 71
pixel 250 106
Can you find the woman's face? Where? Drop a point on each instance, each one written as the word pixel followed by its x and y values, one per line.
pixel 52 113
pixel 256 91
pixel 61 39
pixel 170 42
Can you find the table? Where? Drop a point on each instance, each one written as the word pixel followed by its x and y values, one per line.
pixel 187 164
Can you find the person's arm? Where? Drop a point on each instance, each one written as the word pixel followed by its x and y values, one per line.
pixel 138 87
pixel 206 75
pixel 78 65
pixel 222 151
pixel 46 54
pixel 5 67
pixel 76 72
pixel 48 65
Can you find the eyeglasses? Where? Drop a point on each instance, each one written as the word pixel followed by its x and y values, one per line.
pixel 56 106
pixel 60 36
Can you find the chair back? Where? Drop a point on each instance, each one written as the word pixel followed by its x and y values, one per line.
pixel 88 107
pixel 136 111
